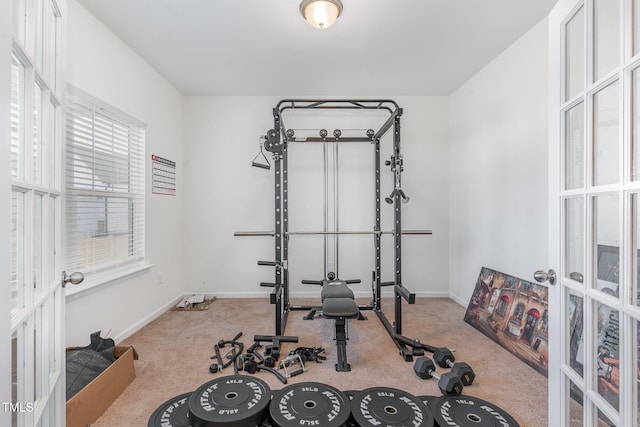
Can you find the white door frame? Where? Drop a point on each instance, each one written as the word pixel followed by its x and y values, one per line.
pixel 560 373
pixel 5 195
pixel 555 389
pixel 38 319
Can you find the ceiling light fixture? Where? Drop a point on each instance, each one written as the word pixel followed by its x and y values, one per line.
pixel 321 13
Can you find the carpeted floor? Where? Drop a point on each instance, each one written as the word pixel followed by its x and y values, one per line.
pixel 175 352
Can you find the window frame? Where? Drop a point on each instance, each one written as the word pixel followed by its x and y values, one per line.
pixel 77 103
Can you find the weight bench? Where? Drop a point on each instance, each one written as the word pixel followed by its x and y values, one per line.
pixel 336 289
pixel 338 303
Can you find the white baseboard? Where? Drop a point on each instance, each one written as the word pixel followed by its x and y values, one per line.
pixel 146 320
pixel 358 294
pixel 161 310
pixel 429 294
pixel 459 300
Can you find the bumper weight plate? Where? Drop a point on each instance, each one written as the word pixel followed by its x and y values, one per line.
pixel 351 393
pixel 172 413
pixel 231 401
pixel 467 411
pixel 309 404
pixel 427 400
pixel 389 407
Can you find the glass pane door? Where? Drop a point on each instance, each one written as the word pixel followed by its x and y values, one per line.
pixel 37 303
pixel 597 189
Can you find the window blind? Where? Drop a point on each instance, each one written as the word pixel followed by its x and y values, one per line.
pixel 104 182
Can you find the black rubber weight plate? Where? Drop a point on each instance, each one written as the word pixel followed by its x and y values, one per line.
pixel 267 421
pixel 309 404
pixel 236 400
pixel 427 400
pixel 389 407
pixel 469 411
pixel 172 413
pixel 351 393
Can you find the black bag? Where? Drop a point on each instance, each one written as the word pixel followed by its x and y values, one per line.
pixel 85 364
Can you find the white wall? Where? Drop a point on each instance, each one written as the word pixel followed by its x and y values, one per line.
pixel 475 169
pixel 223 194
pixel 498 166
pixel 101 64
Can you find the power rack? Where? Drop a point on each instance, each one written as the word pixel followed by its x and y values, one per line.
pixel 276 142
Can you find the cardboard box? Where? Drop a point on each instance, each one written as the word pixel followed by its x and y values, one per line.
pixel 89 403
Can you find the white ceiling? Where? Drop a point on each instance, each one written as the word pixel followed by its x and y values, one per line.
pixel 264 47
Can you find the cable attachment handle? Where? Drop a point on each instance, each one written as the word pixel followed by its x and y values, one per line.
pixel 259 164
pixel 397 167
pixel 397 191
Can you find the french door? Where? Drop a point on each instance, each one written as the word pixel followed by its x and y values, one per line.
pixel 35 142
pixel 595 212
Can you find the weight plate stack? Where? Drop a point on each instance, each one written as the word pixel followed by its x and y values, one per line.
pixel 232 401
pixel 389 407
pixel 172 413
pixel 351 393
pixel 427 400
pixel 469 411
pixel 309 404
pixel 268 422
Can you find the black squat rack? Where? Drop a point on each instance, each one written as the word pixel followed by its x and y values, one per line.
pixel 276 142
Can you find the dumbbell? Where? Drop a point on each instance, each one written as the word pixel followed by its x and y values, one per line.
pixel 448 383
pixel 444 358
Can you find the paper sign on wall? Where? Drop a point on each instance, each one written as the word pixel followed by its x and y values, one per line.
pixel 163 176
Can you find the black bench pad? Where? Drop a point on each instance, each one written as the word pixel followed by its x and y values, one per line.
pixel 335 308
pixel 336 290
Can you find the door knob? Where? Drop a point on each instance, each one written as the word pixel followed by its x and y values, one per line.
pixel 542 277
pixel 74 278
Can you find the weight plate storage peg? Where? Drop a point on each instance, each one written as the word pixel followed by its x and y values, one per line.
pixel 231 401
pixel 309 404
pixel 172 413
pixel 468 411
pixel 389 407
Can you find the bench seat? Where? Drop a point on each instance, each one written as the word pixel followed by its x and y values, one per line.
pixel 335 289
pixel 336 308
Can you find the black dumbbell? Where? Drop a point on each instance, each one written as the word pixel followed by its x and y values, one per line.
pixel 449 383
pixel 444 358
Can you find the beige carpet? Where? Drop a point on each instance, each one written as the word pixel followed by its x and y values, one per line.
pixel 175 352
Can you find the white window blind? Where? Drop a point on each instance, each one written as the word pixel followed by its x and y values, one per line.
pixel 104 183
